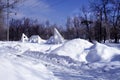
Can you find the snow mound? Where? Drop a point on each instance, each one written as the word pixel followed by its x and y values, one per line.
pixel 100 52
pixel 56 38
pixel 35 39
pixel 24 38
pixel 74 49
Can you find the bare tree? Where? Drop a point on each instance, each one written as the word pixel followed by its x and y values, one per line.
pixel 77 24
pixel 70 29
pixel 102 7
pixel 5 6
pixel 86 21
pixel 115 19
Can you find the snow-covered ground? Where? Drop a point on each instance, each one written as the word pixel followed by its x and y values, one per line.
pixel 75 59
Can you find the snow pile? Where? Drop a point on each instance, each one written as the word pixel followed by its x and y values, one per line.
pixel 24 38
pixel 56 38
pixel 101 52
pixel 35 39
pixel 85 51
pixel 74 49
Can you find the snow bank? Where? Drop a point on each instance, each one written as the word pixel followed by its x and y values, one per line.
pixel 56 38
pixel 74 49
pixel 101 52
pixel 85 51
pixel 60 60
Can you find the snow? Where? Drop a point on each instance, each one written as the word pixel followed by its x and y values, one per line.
pixel 74 49
pixel 20 47
pixel 75 59
pixel 24 70
pixel 24 38
pixel 36 39
pixel 84 51
pixel 101 52
pixel 56 38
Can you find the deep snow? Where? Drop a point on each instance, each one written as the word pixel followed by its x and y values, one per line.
pixel 75 59
pixel 74 49
pixel 103 53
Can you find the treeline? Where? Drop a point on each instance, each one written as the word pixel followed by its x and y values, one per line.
pixel 6 7
pixel 75 28
pixel 100 21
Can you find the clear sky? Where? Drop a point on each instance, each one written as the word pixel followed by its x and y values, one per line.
pixel 56 11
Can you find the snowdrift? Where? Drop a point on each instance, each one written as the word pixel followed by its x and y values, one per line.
pixel 84 51
pixel 33 61
pixel 100 52
pixel 74 49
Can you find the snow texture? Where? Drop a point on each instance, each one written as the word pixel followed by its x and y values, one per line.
pixel 56 38
pixel 35 39
pixel 100 52
pixel 75 59
pixel 24 70
pixel 74 49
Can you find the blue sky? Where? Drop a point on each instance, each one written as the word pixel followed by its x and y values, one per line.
pixel 56 11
